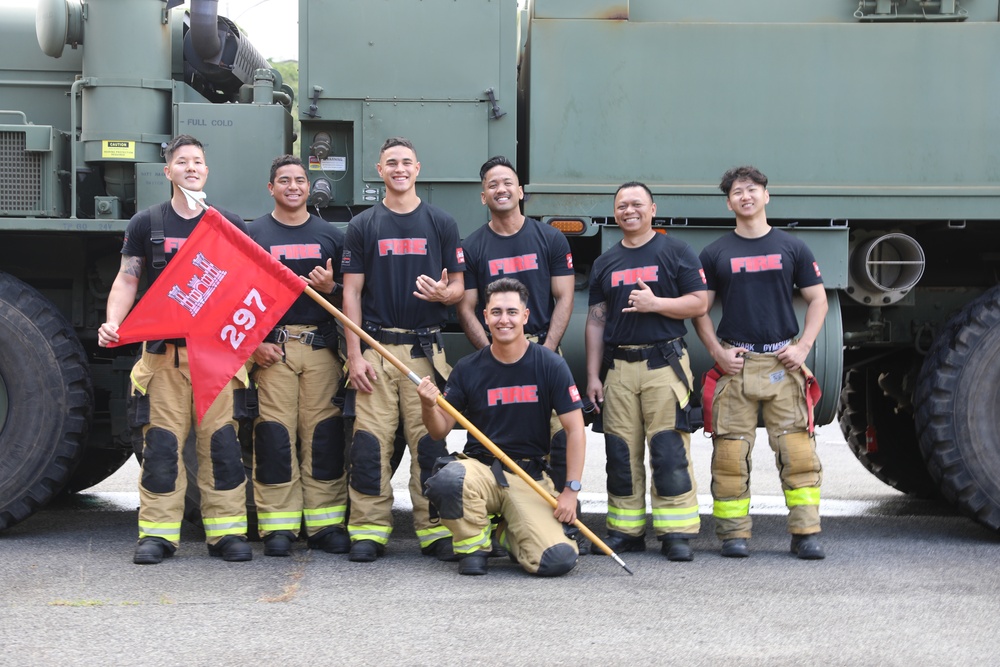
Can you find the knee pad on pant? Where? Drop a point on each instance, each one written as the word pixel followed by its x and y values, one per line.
pixel 429 451
pixel 444 490
pixel 556 560
pixel 159 461
pixel 669 463
pixel 272 450
pixel 328 449
pixel 619 466
pixel 730 468
pixel 557 459
pixel 797 460
pixel 227 459
pixel 366 464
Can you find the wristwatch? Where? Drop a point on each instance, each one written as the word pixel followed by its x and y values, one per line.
pixel 573 485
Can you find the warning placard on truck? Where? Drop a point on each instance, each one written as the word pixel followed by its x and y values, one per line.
pixel 333 163
pixel 122 150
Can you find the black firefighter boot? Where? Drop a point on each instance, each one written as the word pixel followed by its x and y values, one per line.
pixel 279 543
pixel 152 550
pixel 232 548
pixel 474 563
pixel 807 547
pixel 676 548
pixel 332 540
pixel 620 543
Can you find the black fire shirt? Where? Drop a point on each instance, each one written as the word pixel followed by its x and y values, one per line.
pixel 512 403
pixel 666 265
pixel 754 280
pixel 392 250
pixel 301 248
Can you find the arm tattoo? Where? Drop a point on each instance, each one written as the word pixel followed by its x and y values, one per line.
pixel 598 312
pixel 132 266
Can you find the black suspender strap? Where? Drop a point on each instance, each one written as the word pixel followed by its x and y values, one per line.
pixel 156 215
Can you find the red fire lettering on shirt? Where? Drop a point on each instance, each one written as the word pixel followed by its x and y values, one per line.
pixel 569 260
pixel 816 269
pixel 171 244
pixel 755 264
pixel 527 393
pixel 402 247
pixel 648 274
pixel 517 264
pixel 574 393
pixel 296 251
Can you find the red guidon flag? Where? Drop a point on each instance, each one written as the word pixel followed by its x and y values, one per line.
pixel 223 293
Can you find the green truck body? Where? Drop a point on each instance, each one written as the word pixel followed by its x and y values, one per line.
pixel 875 121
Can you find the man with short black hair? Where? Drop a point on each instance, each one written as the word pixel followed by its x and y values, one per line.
pixel 641 290
pixel 403 266
pixel 298 465
pixel 161 383
pixel 508 390
pixel 760 365
pixel 512 245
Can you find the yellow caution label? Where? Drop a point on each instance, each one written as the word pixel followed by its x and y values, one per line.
pixel 314 163
pixel 121 150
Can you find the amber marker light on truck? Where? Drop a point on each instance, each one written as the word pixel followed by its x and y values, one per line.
pixel 569 226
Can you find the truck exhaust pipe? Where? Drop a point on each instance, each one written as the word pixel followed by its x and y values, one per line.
pixel 883 269
pixel 205 29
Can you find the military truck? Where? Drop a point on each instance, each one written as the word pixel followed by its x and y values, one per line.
pixel 874 119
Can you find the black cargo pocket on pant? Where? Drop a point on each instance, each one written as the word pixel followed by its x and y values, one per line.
pixel 245 404
pixel 137 410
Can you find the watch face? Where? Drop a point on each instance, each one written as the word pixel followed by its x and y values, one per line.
pixel 574 485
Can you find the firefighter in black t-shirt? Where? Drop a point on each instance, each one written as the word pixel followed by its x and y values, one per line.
pixel 161 383
pixel 514 246
pixel 641 289
pixel 298 438
pixel 760 366
pixel 511 245
pixel 508 390
pixel 403 266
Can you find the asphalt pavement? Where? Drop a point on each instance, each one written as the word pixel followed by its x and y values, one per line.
pixel 906 582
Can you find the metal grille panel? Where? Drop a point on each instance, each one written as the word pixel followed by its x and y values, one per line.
pixel 20 174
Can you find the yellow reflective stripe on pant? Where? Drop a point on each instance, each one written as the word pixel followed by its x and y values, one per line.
pixel 807 495
pixel 675 517
pixel 623 519
pixel 321 517
pixel 429 536
pixel 139 386
pixel 730 509
pixel 168 531
pixel 225 525
pixel 371 532
pixel 272 521
pixel 480 542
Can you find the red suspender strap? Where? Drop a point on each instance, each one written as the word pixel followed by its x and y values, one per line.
pixel 708 382
pixel 813 394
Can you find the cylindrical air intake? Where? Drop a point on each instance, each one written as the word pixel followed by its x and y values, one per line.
pixel 883 269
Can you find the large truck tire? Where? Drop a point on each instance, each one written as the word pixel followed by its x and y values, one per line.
pixel 97 464
pixel 881 433
pixel 46 398
pixel 958 410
